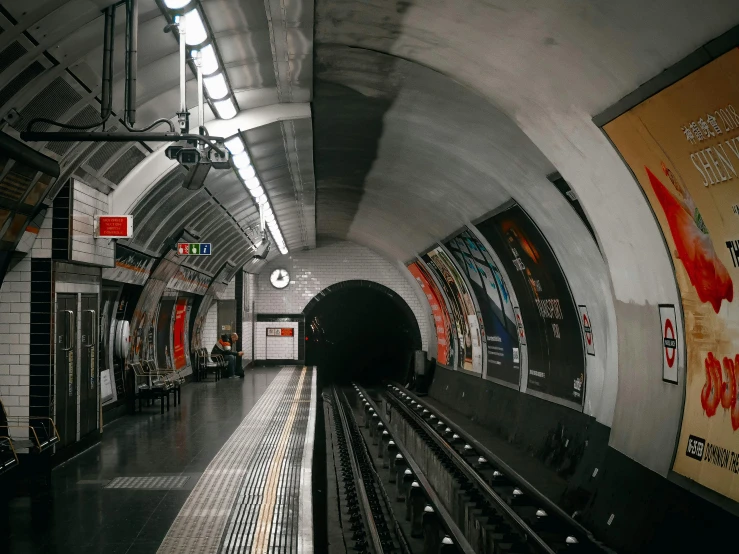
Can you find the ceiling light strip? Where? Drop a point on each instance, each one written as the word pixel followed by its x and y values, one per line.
pixel 198 39
pixel 244 168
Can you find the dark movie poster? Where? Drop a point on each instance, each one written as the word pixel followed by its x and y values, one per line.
pixel 501 336
pixel 550 317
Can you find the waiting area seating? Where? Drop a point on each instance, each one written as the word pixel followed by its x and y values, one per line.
pixel 156 383
pixel 206 363
pixel 41 435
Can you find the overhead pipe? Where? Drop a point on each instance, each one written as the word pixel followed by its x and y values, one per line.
pixel 132 39
pixel 108 47
pixel 183 115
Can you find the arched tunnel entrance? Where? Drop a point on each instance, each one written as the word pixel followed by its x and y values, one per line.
pixel 360 330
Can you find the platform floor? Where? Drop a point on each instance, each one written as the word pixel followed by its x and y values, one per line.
pixel 150 474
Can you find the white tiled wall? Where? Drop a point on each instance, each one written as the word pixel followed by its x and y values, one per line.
pixel 42 244
pixel 249 316
pixel 314 270
pixel 276 348
pixel 210 327
pixel 15 328
pixel 89 202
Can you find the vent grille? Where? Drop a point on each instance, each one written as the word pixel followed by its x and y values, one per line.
pixel 16 182
pixel 106 152
pixel 123 165
pixel 20 81
pixel 52 103
pixel 87 116
pixel 11 54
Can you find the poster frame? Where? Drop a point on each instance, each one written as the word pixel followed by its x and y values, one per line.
pixel 694 61
pixel 522 379
pixel 580 407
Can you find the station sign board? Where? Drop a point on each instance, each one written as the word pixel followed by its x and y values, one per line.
pixel 280 332
pixel 193 248
pixel 114 226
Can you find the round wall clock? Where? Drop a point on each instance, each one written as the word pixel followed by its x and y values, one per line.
pixel 280 278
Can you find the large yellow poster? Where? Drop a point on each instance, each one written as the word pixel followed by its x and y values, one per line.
pixel 683 146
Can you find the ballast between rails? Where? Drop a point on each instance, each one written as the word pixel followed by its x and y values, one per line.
pixel 446 519
pixel 366 508
pixel 577 536
pixel 549 505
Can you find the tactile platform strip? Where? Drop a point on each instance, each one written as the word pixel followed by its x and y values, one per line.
pixel 159 482
pixel 239 503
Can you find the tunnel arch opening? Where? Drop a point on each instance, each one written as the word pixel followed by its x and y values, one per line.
pixel 359 330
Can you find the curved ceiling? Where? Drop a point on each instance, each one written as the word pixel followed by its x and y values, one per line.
pixel 426 113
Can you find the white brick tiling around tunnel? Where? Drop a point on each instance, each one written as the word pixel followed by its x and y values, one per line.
pixel 313 271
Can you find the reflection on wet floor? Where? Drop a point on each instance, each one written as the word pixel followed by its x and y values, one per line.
pixel 80 515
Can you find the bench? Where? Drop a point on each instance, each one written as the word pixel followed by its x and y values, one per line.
pixel 207 363
pixel 42 435
pixel 155 388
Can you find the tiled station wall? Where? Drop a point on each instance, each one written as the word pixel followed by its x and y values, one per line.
pixel 15 332
pixel 210 328
pixel 314 270
pixel 276 348
pixel 87 203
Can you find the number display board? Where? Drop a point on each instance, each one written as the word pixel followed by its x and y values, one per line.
pixel 682 145
pixel 556 361
pixel 461 307
pixel 494 300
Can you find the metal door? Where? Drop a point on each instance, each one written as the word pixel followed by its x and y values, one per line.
pixel 89 375
pixel 65 397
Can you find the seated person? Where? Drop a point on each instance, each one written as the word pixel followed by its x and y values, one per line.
pixel 223 348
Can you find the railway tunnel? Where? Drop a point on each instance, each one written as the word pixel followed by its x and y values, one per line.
pixel 368 275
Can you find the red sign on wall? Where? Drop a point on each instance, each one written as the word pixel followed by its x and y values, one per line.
pixel 280 332
pixel 178 333
pixel 114 226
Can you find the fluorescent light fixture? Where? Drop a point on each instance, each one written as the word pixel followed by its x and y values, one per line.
pixel 216 86
pixel 195 32
pixel 208 60
pixel 225 108
pixel 176 4
pixel 262 198
pixel 235 146
pixel 252 183
pixel 257 191
pixel 247 172
pixel 241 161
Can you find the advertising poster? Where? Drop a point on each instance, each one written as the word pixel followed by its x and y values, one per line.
pixel 501 336
pixel 444 347
pixel 178 333
pixel 550 317
pixel 682 145
pixel 462 309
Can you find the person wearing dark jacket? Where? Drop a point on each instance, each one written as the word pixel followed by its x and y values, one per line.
pixel 224 348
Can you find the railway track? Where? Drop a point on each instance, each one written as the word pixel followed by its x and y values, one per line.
pixel 387 505
pixel 496 509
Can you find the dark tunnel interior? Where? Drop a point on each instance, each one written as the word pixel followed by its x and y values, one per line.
pixel 360 334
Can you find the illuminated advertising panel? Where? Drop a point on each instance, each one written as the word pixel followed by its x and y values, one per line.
pixel 467 336
pixel 442 321
pixel 486 281
pixel 682 145
pixel 556 363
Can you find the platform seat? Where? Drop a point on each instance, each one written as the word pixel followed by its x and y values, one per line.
pixel 42 435
pixel 207 363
